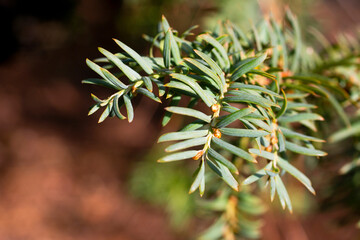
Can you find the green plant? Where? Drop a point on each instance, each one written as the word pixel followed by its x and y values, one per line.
pixel 253 96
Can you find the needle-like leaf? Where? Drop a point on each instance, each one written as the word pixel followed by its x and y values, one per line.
pixel 189 112
pixel 142 63
pixel 178 156
pixel 233 149
pixel 182 135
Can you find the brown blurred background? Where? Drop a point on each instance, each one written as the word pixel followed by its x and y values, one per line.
pixel 62 175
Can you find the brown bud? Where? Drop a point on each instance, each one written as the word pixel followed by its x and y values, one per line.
pixel 198 155
pixel 275 125
pixel 216 132
pixel 286 74
pixel 274 140
pixel 269 52
pixel 269 148
pixel 133 89
pixel 215 107
pixel 262 80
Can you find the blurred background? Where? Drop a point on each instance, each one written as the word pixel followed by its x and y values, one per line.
pixel 63 176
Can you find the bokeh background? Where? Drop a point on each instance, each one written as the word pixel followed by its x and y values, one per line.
pixel 63 176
